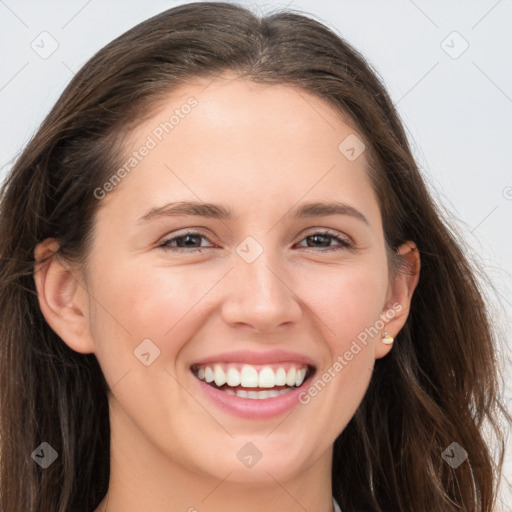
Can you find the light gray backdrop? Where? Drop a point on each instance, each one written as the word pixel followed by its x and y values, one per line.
pixel 447 66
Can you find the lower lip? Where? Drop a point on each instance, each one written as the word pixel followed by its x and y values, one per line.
pixel 253 408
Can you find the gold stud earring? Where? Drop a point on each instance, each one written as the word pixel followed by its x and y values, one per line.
pixel 387 339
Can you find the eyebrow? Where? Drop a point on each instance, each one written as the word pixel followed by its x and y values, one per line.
pixel 218 211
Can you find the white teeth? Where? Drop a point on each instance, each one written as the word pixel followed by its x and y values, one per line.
pixel 208 374
pixel 249 377
pixel 290 377
pixel 299 378
pixel 220 376
pixel 280 377
pixel 233 377
pixel 266 378
pixel 260 395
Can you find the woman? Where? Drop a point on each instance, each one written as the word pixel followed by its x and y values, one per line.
pixel 295 358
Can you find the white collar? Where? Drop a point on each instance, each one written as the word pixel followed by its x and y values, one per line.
pixel 336 506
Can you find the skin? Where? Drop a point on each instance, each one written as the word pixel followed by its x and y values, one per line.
pixel 262 151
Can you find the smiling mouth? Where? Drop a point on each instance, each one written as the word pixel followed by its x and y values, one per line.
pixel 254 382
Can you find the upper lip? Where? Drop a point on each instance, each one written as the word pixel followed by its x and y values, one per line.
pixel 252 357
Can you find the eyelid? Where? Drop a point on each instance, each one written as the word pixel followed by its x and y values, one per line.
pixel 183 233
pixel 326 231
pixel 344 241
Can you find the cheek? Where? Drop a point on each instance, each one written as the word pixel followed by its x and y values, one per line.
pixel 134 302
pixel 348 300
pixel 347 303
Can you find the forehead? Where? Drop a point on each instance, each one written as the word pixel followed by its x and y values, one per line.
pixel 231 139
pixel 235 107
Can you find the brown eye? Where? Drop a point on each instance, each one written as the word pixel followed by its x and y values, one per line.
pixel 185 241
pixel 323 240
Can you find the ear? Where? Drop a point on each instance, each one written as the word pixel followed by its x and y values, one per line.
pixel 401 287
pixel 62 299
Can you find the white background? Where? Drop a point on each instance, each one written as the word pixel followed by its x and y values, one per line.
pixel 457 111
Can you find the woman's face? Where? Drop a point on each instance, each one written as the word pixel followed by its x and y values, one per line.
pixel 283 284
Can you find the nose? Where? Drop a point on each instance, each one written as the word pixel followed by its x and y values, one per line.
pixel 259 295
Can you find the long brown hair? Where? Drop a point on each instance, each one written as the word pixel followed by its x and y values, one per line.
pixel 438 385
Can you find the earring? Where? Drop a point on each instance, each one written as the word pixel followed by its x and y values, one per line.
pixel 387 339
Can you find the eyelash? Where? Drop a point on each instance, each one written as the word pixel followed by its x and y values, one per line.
pixel 344 244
